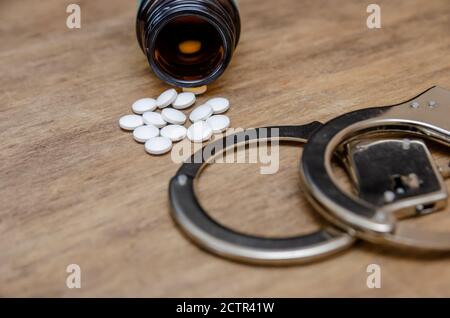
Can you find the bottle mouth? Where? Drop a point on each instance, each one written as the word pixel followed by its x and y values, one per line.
pixel 188 50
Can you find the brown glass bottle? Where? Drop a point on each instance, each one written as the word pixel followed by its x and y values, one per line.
pixel 188 43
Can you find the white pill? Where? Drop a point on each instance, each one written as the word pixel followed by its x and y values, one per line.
pixel 174 132
pixel 199 132
pixel 144 133
pixel 184 100
pixel 202 112
pixel 173 116
pixel 218 123
pixel 166 98
pixel 219 105
pixel 144 105
pixel 155 119
pixel 158 145
pixel 130 122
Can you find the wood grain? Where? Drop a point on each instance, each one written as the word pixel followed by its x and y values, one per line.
pixel 74 188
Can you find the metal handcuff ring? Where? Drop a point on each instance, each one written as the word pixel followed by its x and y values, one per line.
pixel 426 116
pixel 218 239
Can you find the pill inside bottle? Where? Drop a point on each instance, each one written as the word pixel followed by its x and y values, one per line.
pixel 188 47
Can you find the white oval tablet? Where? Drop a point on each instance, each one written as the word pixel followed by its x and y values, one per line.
pixel 144 105
pixel 130 122
pixel 202 112
pixel 158 145
pixel 219 105
pixel 174 132
pixel 184 100
pixel 218 123
pixel 144 133
pixel 166 98
pixel 199 132
pixel 173 116
pixel 155 119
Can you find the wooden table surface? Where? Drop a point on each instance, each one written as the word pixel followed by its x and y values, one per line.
pixel 74 188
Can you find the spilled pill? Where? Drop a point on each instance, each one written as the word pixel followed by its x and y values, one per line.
pixel 153 118
pixel 144 133
pixel 173 116
pixel 184 100
pixel 160 129
pixel 218 123
pixel 144 105
pixel 219 104
pixel 166 98
pixel 199 132
pixel 130 122
pixel 158 145
pixel 174 132
pixel 202 112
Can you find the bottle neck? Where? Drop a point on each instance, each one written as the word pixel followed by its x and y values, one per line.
pixel 153 18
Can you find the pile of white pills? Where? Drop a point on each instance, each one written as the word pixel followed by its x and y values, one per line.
pixel 158 125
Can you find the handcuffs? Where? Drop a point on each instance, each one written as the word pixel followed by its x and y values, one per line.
pixel 392 173
pixel 193 219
